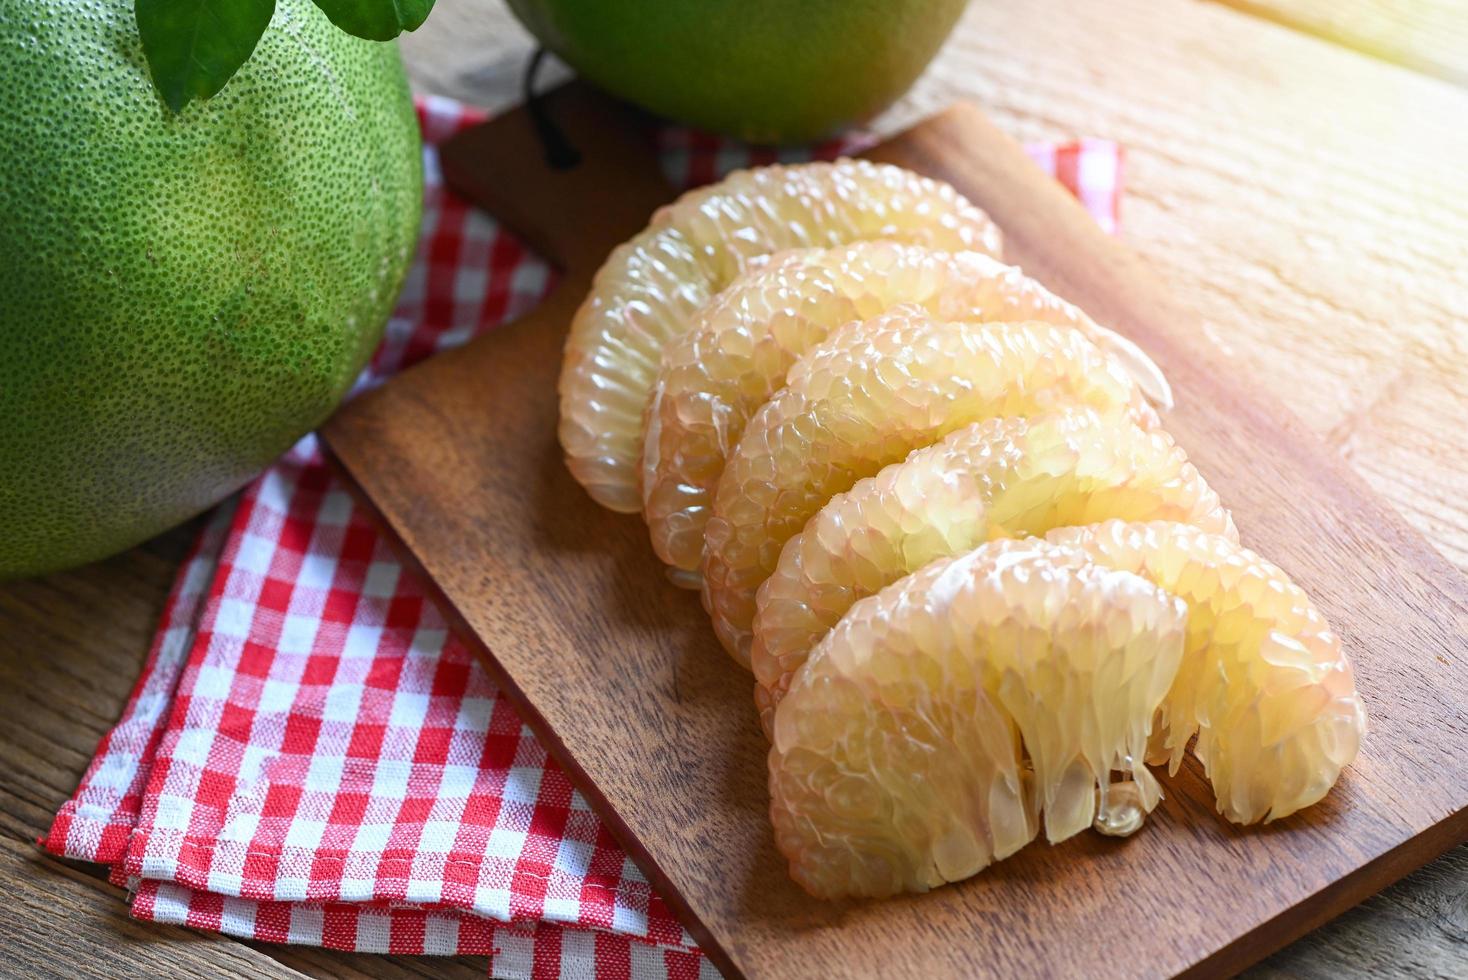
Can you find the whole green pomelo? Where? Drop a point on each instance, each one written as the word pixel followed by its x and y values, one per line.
pixel 182 297
pixel 761 70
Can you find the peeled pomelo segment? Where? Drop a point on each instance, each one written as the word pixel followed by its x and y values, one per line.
pixel 1264 682
pixel 740 346
pixel 1006 477
pixel 650 287
pixel 940 717
pixel 867 396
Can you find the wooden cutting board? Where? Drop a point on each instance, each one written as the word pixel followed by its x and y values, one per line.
pixel 619 673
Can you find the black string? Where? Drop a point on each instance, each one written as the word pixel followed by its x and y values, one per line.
pixel 559 153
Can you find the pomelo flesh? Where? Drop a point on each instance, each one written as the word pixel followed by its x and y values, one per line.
pixel 647 292
pixel 938 706
pixel 945 716
pixel 1264 683
pixel 740 346
pixel 1007 477
pixel 864 398
pixel 940 716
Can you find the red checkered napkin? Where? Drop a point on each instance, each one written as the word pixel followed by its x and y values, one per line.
pixel 310 756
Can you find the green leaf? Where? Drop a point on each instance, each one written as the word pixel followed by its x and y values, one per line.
pixel 376 20
pixel 194 46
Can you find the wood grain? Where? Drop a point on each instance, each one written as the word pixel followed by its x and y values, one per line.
pixel 1305 201
pixel 1298 224
pixel 70 647
pixel 1248 199
pixel 619 674
pixel 1426 35
pixel 62 923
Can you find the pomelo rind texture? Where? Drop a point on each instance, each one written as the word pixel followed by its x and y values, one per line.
pixel 184 296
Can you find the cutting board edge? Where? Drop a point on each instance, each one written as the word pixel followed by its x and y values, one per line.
pixel 1264 937
pixel 1334 898
pixel 550 740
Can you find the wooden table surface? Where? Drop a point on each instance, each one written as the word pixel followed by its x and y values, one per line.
pixel 1297 171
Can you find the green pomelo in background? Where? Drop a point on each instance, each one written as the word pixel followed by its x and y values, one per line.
pixel 762 70
pixel 182 297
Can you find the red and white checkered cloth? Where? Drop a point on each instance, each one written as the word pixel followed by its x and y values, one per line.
pixel 310 756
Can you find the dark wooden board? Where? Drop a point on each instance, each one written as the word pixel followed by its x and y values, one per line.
pixel 620 675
